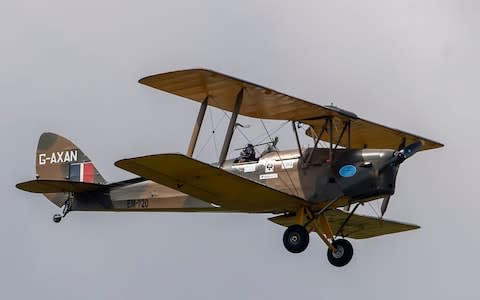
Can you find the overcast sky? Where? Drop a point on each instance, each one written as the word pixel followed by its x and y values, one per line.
pixel 71 67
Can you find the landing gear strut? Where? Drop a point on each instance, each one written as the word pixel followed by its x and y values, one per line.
pixel 296 238
pixel 67 207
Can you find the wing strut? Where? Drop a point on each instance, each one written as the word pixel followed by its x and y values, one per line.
pixel 298 140
pixel 197 127
pixel 231 128
pixel 330 134
pixel 264 103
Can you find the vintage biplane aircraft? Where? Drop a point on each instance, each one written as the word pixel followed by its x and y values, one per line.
pixel 308 190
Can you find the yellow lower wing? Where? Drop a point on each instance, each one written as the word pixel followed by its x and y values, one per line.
pixel 211 184
pixel 357 227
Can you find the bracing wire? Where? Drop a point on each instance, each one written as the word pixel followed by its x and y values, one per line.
pixel 212 135
pixel 281 160
pixel 262 137
pixel 243 134
pixel 371 206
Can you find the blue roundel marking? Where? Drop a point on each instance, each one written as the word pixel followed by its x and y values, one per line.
pixel 347 171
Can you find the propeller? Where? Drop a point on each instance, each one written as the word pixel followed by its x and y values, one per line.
pixel 400 156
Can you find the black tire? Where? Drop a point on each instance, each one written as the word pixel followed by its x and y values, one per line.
pixel 57 218
pixel 343 255
pixel 296 238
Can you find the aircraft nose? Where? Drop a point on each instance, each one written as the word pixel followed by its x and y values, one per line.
pixel 409 150
pixel 400 156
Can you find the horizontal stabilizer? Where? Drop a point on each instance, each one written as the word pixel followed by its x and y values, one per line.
pixel 210 184
pixel 357 227
pixel 57 186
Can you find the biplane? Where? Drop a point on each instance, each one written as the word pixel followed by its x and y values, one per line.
pixel 314 189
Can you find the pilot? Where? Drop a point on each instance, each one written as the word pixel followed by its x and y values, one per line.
pixel 247 154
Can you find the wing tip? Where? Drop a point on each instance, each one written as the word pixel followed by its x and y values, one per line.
pixel 147 79
pixel 45 186
pixel 23 186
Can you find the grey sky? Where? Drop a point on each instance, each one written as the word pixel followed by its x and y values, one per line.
pixel 72 68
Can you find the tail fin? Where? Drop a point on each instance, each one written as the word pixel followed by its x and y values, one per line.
pixel 60 159
pixel 57 160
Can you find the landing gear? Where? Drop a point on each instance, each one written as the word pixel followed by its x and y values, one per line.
pixel 57 218
pixel 296 238
pixel 67 207
pixel 342 254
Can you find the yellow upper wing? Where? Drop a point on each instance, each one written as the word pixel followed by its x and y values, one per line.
pixel 210 184
pixel 358 227
pixel 264 103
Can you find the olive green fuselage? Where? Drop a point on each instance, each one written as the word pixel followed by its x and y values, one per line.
pixel 353 175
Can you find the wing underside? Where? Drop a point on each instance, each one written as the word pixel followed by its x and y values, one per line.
pixel 211 184
pixel 264 103
pixel 357 227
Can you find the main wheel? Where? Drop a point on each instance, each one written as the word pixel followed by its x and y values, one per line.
pixel 296 238
pixel 342 255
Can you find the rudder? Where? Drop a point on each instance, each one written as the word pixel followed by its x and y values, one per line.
pixel 58 158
